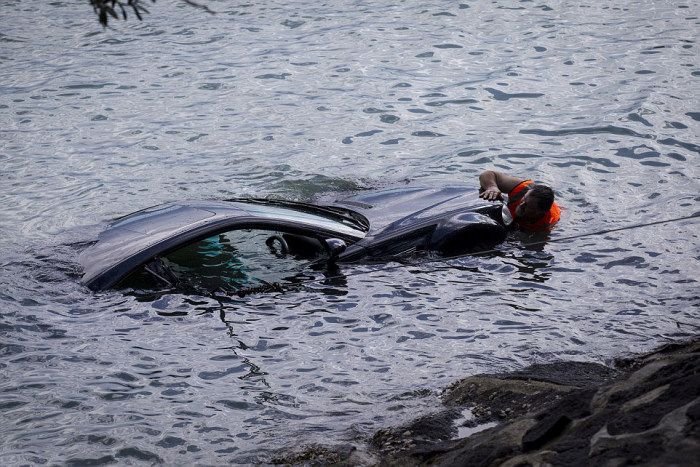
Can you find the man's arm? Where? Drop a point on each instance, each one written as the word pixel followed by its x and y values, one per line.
pixel 495 183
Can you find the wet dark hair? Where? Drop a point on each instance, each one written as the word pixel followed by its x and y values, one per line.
pixel 543 195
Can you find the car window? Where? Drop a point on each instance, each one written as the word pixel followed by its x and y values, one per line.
pixel 233 260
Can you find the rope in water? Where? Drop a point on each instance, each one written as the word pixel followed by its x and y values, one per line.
pixel 277 287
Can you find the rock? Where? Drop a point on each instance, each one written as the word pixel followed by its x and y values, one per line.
pixel 644 411
pixel 316 455
pixel 555 420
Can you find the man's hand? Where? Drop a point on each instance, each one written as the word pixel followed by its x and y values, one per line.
pixel 491 193
pixel 493 184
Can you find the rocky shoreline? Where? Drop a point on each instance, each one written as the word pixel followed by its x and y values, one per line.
pixel 642 411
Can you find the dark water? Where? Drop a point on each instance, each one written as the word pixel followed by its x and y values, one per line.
pixel 299 99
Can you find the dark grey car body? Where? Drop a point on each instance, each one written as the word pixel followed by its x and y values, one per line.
pixel 374 225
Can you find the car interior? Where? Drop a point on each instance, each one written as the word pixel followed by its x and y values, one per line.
pixel 231 260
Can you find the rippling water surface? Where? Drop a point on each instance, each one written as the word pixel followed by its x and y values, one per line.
pixel 299 99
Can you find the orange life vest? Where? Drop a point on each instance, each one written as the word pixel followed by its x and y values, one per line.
pixel 545 222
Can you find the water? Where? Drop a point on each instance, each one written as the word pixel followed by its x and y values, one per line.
pixel 299 100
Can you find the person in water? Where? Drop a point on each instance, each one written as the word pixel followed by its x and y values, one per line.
pixel 531 207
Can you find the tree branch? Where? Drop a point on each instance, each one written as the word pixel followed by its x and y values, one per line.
pixel 104 9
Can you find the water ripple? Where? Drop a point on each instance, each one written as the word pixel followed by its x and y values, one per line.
pixel 305 101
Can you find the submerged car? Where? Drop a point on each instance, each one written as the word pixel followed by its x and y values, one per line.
pixel 244 241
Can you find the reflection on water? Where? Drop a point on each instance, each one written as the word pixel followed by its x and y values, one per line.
pixel 297 101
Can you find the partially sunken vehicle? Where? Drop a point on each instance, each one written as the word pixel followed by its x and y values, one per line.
pixel 244 241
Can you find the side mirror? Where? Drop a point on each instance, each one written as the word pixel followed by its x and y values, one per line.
pixel 335 248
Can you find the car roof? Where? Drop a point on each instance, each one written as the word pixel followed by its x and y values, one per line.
pixel 133 240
